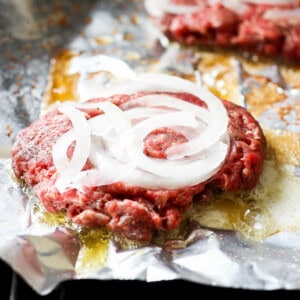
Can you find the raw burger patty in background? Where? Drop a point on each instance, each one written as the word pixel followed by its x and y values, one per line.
pixel 251 27
pixel 132 211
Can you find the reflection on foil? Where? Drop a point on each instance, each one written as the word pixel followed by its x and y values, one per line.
pixel 47 258
pixel 283 115
pixel 14 209
pixel 58 245
pixel 45 255
pixel 177 60
pixel 273 73
pixel 205 259
pixel 26 27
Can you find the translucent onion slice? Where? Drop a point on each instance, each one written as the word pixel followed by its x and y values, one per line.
pixel 157 8
pixel 114 140
pixel 270 2
pixel 113 126
pixel 100 125
pixel 193 172
pixel 60 148
pixel 127 88
pixel 91 80
pixel 181 118
pixel 218 116
pixel 116 115
pixel 138 113
pixel 90 85
pixel 167 102
pixel 97 63
pixel 112 170
pixel 172 84
pixel 288 16
pixel 82 135
pixel 171 168
pixel 203 141
pixel 235 5
pixel 88 178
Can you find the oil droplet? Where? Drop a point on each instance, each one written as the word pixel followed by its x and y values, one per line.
pixel 93 254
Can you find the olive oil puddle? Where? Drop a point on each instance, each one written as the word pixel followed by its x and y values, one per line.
pixel 94 252
pixel 95 243
pixel 271 207
pixel 94 248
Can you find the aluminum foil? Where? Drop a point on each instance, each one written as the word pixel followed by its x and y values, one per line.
pixel 31 31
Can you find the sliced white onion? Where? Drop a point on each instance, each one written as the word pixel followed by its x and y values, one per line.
pixel 91 82
pixel 127 88
pixel 100 125
pixel 112 170
pixel 138 113
pixel 82 134
pixel 88 178
pixel 114 140
pixel 218 115
pixel 270 2
pixel 168 102
pixel 90 85
pixel 167 83
pixel 185 172
pixel 113 126
pixel 181 118
pixel 171 168
pixel 157 8
pixel 60 148
pixel 97 63
pixel 116 116
pixel 235 5
pixel 289 16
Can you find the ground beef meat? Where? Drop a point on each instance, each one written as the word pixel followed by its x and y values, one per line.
pixel 128 210
pixel 217 25
pixel 244 162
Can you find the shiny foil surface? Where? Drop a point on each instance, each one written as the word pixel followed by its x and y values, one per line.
pixel 241 253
